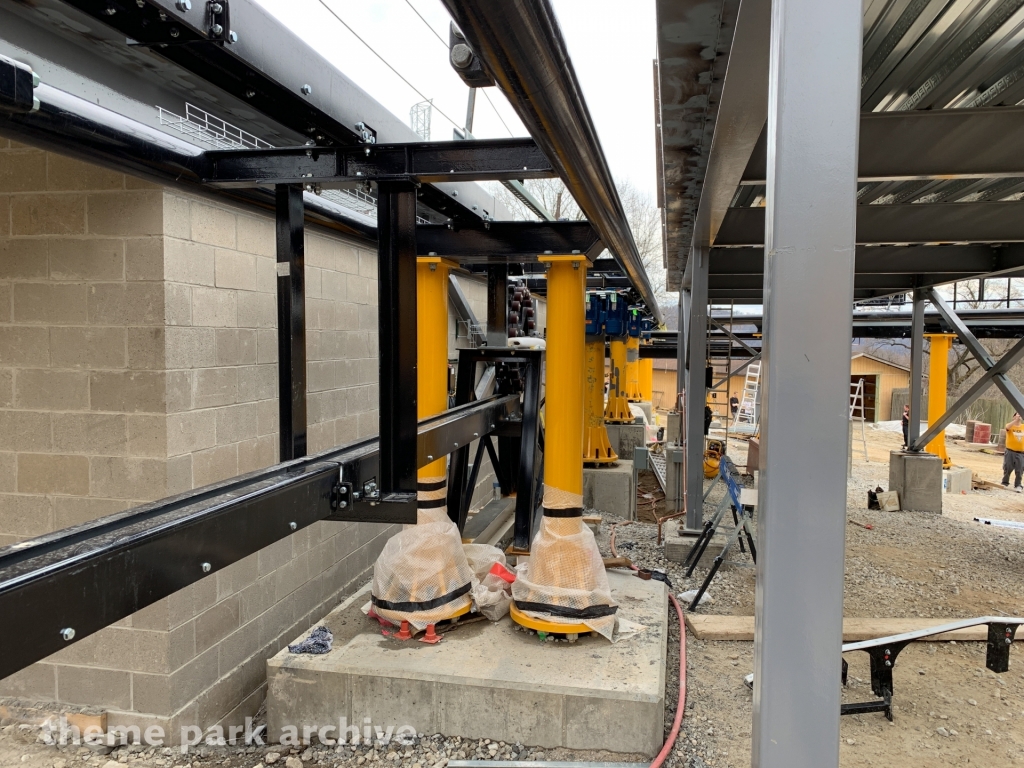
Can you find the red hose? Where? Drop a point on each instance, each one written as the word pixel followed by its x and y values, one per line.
pixel 681 701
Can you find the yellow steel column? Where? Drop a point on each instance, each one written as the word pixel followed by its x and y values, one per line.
pixel 564 581
pixel 633 393
pixel 596 447
pixel 938 365
pixel 422 575
pixel 432 349
pixel 647 379
pixel 617 410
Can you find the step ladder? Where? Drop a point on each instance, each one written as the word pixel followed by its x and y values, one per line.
pixel 747 413
pixel 857 411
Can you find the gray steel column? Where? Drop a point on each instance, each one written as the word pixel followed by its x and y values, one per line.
pixel 813 122
pixel 696 391
pixel 916 366
pixel 681 357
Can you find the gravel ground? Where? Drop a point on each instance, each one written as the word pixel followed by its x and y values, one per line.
pixel 949 710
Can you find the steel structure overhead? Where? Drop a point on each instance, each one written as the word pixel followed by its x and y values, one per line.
pixel 998 222
pixel 521 45
pixel 255 63
pixel 929 144
pixel 508 241
pixel 424 162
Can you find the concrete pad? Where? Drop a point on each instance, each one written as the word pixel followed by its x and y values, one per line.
pixel 609 489
pixel 486 680
pixel 917 477
pixel 678 546
pixel 647 409
pixel 625 437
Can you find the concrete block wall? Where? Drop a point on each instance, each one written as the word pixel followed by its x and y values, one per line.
pixel 138 359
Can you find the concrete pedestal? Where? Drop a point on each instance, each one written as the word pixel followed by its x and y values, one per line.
pixel 647 409
pixel 625 437
pixel 609 488
pixel 485 680
pixel 917 477
pixel 677 547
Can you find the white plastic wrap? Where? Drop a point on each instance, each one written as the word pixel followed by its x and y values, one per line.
pixel 492 585
pixel 565 570
pixel 419 571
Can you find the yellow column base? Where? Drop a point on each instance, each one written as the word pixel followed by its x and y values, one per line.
pixel 597 448
pixel 539 625
pixel 617 411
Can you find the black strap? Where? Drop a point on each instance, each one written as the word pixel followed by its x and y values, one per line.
pixel 431 503
pixel 425 605
pixel 436 485
pixel 590 612
pixel 570 512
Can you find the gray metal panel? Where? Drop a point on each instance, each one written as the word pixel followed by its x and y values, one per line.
pixel 932 144
pixel 908 223
pixel 812 166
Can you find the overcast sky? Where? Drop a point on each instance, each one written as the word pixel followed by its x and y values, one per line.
pixel 611 42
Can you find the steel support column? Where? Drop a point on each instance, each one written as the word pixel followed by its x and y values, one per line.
pixel 291 322
pixel 916 366
pixel 682 323
pixel 696 393
pixel 396 270
pixel 808 289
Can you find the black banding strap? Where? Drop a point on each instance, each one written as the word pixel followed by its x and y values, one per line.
pixel 436 485
pixel 570 512
pixel 590 612
pixel 426 605
pixel 431 503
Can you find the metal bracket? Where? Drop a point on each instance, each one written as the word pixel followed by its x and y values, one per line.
pixel 220 22
pixel 366 134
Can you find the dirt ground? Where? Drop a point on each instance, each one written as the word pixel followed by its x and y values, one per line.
pixel 949 710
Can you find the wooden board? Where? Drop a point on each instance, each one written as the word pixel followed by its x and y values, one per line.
pixel 854 630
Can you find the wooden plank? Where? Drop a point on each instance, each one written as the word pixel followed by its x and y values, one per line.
pixel 741 628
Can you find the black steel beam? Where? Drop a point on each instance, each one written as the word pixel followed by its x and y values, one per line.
pixel 278 74
pixel 92 575
pixel 425 162
pixel 905 223
pixel 502 241
pixel 929 144
pixel 396 287
pixel 521 45
pixel 291 322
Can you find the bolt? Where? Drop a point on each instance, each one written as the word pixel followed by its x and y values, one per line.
pixel 476 434
pixel 216 29
pixel 462 55
pixel 888 663
pixel 232 37
pixel 110 10
pixel 216 8
pixel 250 93
pixel 174 32
pixel 68 634
pixel 184 5
pixel 293 526
pixel 342 504
pixel 206 567
pixel 429 457
pixel 306 89
pixel 456 445
pixel 1009 641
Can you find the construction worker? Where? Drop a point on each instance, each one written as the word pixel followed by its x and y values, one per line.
pixel 1013 459
pixel 906 426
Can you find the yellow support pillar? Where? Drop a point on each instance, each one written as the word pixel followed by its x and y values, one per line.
pixel 938 366
pixel 617 411
pixel 422 576
pixel 647 379
pixel 564 582
pixel 633 394
pixel 597 449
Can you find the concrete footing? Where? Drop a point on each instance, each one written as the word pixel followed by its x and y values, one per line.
pixel 647 409
pixel 609 489
pixel 957 480
pixel 917 477
pixel 485 680
pixel 625 437
pixel 678 546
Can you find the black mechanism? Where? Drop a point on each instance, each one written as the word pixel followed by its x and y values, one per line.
pixel 17 86
pixel 516 462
